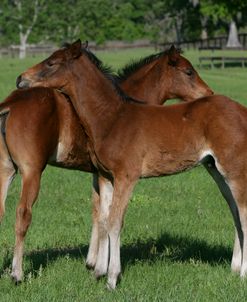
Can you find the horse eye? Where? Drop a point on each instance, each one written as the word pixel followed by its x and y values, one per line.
pixel 189 71
pixel 50 63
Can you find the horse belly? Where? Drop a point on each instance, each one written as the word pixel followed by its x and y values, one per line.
pixel 168 163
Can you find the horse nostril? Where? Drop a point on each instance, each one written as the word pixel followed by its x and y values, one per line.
pixel 22 83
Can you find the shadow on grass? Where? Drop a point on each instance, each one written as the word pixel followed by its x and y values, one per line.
pixel 166 247
pixel 175 249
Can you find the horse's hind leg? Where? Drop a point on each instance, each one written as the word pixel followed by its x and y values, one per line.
pixel 30 190
pixel 237 255
pixel 243 218
pixel 242 205
pixel 7 173
pixel 227 191
pixel 240 248
pixel 236 195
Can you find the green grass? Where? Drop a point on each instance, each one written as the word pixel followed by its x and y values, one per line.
pixel 178 234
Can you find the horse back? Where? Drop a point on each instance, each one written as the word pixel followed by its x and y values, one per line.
pixel 170 139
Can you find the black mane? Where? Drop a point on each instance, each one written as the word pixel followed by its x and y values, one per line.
pixel 105 69
pixel 125 72
pixel 110 75
pixel 133 66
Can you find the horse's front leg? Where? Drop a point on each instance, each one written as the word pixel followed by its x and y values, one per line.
pixel 94 241
pixel 29 193
pixel 106 192
pixel 122 192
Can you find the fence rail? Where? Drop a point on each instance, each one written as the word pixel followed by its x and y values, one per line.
pixel 35 50
pixel 13 51
pixel 210 43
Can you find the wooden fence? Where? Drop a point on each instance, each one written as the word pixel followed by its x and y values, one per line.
pixel 35 50
pixel 210 43
pixel 13 51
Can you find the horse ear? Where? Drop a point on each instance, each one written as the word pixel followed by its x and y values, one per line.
pixel 75 49
pixel 84 45
pixel 172 56
pixel 172 49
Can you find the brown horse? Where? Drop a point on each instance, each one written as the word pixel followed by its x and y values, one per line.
pixel 39 127
pixel 136 79
pixel 128 141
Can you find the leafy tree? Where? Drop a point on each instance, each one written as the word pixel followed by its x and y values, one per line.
pixel 174 20
pixel 32 21
pixel 60 21
pixel 227 13
pixel 20 16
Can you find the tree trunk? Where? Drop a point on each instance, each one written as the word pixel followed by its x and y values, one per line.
pixel 204 34
pixel 23 46
pixel 233 41
pixel 24 33
pixel 177 24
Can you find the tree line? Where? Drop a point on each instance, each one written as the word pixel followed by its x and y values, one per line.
pixel 43 21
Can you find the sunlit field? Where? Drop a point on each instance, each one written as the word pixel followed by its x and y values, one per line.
pixel 177 238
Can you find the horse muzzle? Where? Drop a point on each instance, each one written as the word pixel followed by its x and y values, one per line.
pixel 22 82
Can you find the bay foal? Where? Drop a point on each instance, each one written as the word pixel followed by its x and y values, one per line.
pixel 128 141
pixel 39 127
pixel 145 80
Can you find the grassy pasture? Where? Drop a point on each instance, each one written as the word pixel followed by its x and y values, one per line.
pixel 178 234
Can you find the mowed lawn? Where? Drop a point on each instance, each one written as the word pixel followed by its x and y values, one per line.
pixel 178 234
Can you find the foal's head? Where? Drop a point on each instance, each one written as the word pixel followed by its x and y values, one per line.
pixel 184 81
pixel 168 74
pixel 55 71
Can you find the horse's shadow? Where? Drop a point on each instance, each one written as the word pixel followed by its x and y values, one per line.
pixel 175 249
pixel 167 247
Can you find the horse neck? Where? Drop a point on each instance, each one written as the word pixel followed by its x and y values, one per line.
pixel 149 83
pixel 94 98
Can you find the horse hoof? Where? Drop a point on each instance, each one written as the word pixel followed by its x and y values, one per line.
pixel 111 284
pixel 98 274
pixel 16 279
pixel 113 280
pixel 90 266
pixel 243 274
pixel 236 270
